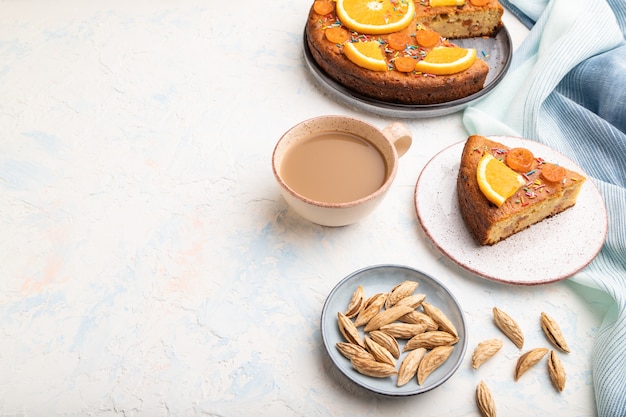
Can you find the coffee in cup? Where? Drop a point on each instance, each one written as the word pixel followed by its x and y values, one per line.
pixel 334 170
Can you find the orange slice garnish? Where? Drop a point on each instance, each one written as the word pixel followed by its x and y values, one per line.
pixel 445 61
pixel 497 181
pixel 366 54
pixel 375 17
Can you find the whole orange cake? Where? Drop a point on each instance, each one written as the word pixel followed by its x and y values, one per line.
pixel 503 190
pixel 406 56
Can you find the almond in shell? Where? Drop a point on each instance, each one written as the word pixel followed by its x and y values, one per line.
pixel 414 300
pixel 440 318
pixel 430 340
pixel 372 368
pixel 348 330
pixel 387 341
pixel 386 316
pixel 403 330
pixel 484 351
pixel 417 317
pixel 431 361
pixel 509 327
pixel 484 400
pixel 380 353
pixel 372 306
pixel 528 360
pixel 356 302
pixel 350 350
pixel 553 332
pixel 400 291
pixel 409 365
pixel 556 371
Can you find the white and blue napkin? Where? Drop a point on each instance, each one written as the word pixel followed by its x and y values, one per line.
pixel 566 88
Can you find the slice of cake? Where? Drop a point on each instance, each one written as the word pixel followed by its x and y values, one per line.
pixel 517 190
pixel 472 19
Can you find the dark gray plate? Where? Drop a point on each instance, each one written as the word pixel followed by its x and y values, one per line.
pixel 382 278
pixel 496 51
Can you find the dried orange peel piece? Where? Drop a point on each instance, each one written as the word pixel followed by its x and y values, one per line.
pixel 336 34
pixel 552 172
pixel 398 41
pixel 520 159
pixel 426 38
pixel 404 64
pixel 323 7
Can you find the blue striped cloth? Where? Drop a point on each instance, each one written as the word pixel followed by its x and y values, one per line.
pixel 567 89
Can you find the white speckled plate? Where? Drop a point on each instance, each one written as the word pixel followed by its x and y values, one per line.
pixel 549 251
pixel 382 278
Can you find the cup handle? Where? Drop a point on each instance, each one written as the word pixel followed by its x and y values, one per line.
pixel 400 136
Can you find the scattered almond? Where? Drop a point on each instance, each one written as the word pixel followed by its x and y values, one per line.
pixel 528 360
pixel 484 351
pixel 553 332
pixel 556 371
pixel 484 399
pixel 509 327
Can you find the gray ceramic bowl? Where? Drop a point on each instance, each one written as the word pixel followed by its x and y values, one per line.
pixel 382 278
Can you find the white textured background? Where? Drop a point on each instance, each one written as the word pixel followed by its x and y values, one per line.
pixel 149 267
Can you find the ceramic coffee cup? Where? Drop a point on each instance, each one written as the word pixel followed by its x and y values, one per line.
pixel 390 143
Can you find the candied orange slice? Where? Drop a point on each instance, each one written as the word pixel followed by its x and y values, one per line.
pixel 520 159
pixel 336 34
pixel 375 17
pixel 398 41
pixel 404 64
pixel 426 38
pixel 366 54
pixel 444 60
pixel 323 7
pixel 497 181
pixel 552 172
